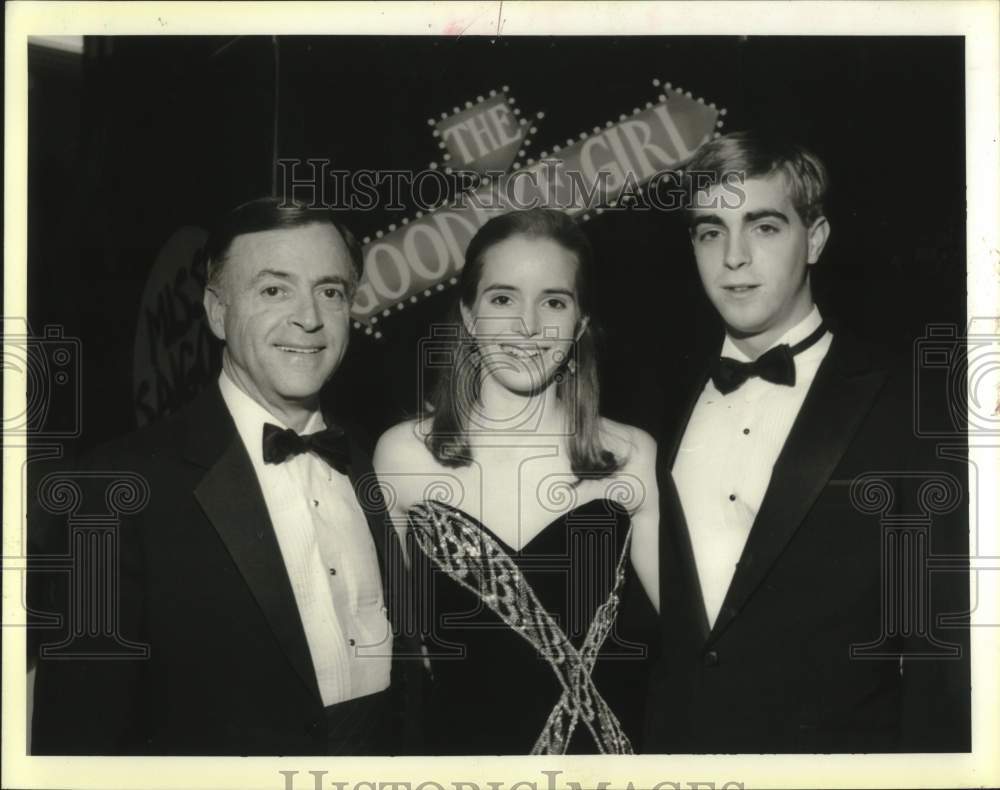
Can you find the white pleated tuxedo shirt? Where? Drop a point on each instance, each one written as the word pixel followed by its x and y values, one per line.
pixel 727 454
pixel 329 555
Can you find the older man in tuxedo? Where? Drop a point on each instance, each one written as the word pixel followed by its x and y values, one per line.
pixel 785 628
pixel 252 584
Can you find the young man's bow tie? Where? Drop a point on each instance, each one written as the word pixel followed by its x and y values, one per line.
pixel 776 365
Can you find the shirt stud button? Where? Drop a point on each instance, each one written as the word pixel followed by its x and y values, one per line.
pixel 333 571
pixel 746 431
pixel 732 497
pixel 315 503
pixel 351 642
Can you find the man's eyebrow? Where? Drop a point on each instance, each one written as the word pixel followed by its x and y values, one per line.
pixel 707 219
pixel 332 279
pixel 753 216
pixel 263 273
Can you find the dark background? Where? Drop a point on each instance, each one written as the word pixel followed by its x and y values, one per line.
pixel 141 135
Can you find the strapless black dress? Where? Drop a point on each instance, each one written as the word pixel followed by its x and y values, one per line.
pixel 539 651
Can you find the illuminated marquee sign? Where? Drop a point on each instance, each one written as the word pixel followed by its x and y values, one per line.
pixel 484 137
pixel 590 173
pixel 175 354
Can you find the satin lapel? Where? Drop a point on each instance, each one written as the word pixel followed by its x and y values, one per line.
pixel 838 400
pixel 232 500
pixel 681 408
pixel 680 588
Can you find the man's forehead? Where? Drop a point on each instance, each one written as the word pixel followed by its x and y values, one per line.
pixel 315 234
pixel 314 246
pixel 744 194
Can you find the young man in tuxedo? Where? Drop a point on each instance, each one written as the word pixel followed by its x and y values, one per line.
pixel 790 449
pixel 254 577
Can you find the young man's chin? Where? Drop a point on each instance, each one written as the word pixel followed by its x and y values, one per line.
pixel 744 331
pixel 742 326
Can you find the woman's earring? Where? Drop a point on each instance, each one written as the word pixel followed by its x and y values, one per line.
pixel 571 367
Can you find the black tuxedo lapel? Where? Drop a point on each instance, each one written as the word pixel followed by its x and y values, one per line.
pixel 680 588
pixel 840 396
pixel 232 500
pixel 687 389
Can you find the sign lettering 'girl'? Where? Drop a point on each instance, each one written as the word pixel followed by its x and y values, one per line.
pixel 587 175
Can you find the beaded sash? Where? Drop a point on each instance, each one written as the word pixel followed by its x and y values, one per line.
pixel 477 562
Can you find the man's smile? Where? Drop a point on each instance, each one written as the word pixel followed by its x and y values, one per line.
pixel 741 289
pixel 296 349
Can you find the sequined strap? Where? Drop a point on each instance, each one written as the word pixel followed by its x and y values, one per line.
pixel 476 561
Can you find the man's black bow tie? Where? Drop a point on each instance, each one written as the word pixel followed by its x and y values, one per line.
pixel 331 445
pixel 776 365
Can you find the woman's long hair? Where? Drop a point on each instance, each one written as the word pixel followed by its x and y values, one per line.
pixel 456 394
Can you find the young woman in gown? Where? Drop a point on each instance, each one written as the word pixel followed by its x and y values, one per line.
pixel 529 519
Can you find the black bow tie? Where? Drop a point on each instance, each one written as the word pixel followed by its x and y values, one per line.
pixel 331 445
pixel 776 365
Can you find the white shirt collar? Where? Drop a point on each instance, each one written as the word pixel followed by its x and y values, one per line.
pixel 799 332
pixel 250 417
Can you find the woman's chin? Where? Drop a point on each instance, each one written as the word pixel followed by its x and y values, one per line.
pixel 524 382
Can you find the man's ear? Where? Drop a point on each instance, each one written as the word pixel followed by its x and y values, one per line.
pixel 817 236
pixel 215 310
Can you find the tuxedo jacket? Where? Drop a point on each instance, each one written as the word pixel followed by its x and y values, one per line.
pixel 844 627
pixel 206 652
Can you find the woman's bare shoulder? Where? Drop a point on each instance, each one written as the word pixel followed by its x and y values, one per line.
pixel 405 466
pixel 629 443
pixel 403 446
